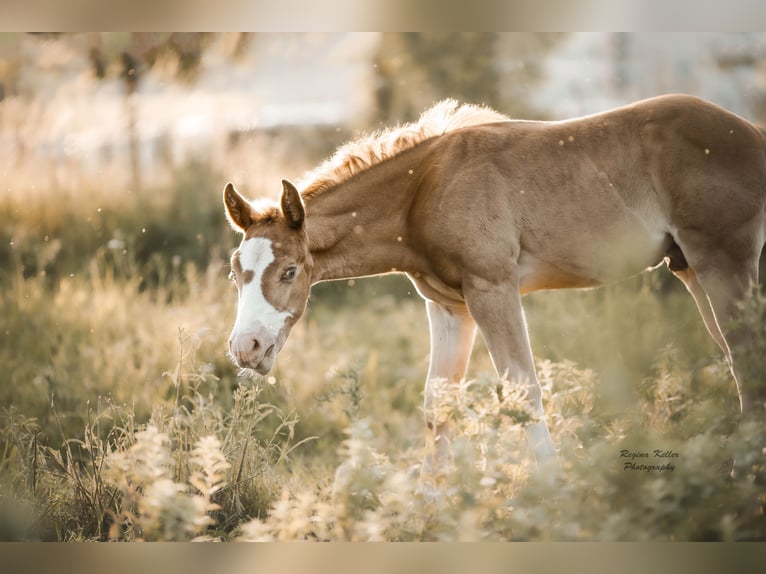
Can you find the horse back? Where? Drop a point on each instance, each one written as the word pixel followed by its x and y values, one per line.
pixel 592 199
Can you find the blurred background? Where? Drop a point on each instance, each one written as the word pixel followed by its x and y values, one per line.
pixel 114 150
pixel 78 108
pixel 117 117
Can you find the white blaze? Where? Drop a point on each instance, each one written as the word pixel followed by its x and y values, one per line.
pixel 254 312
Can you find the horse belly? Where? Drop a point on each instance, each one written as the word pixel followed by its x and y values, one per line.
pixel 536 274
pixel 592 258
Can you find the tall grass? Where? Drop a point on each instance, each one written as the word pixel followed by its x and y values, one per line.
pixel 121 418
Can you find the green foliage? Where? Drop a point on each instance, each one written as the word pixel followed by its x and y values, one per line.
pixel 193 468
pixel 122 419
pixel 415 69
pixel 458 64
pixel 151 236
pixel 491 492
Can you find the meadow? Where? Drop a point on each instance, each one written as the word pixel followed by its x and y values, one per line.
pixel 122 419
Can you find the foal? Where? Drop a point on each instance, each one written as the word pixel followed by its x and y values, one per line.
pixel 478 210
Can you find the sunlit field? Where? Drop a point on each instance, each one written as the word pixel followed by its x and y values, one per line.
pixel 122 419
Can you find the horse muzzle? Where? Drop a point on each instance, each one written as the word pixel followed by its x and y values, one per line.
pixel 253 351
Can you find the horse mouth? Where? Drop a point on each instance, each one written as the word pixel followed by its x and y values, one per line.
pixel 264 365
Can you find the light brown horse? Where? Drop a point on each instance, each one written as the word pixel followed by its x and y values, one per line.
pixel 478 209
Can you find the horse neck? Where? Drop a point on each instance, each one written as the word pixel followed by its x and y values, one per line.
pixel 358 228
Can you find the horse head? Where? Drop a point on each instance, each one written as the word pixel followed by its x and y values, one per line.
pixel 272 272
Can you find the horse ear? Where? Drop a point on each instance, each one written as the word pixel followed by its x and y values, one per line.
pixel 292 205
pixel 237 209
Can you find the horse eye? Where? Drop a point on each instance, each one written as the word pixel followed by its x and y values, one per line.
pixel 289 274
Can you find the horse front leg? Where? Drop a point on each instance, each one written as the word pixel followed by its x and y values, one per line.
pixel 497 310
pixel 452 334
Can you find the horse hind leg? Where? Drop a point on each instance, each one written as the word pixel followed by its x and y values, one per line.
pixel 720 277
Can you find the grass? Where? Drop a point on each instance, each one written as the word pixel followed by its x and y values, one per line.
pixel 121 418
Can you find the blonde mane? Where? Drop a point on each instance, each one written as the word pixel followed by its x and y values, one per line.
pixel 369 150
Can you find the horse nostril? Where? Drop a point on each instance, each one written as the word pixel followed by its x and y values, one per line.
pixel 256 345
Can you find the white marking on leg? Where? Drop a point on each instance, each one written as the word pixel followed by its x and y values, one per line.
pixel 452 336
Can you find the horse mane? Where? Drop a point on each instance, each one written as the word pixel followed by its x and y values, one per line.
pixel 368 150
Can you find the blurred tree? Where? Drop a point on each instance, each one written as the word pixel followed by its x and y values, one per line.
pixel 417 68
pixel 520 60
pixel 239 43
pixel 137 53
pixel 413 70
pixel 130 75
pixel 130 72
pixel 98 62
pixel 742 57
pixel 9 64
pixel 184 49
